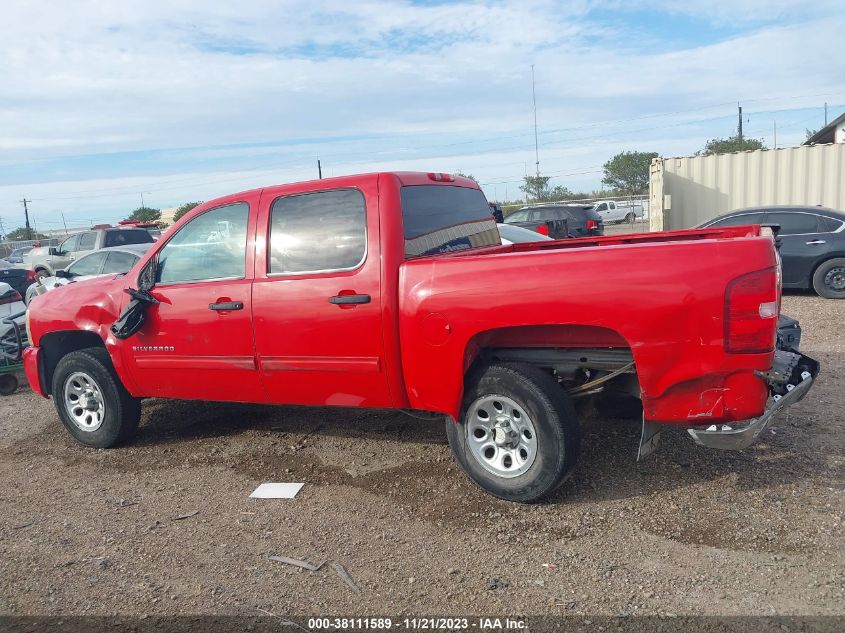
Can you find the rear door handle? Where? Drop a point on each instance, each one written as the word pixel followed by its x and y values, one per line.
pixel 349 299
pixel 226 305
pixel 816 242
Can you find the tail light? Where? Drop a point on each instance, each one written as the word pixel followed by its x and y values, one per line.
pixel 543 229
pixel 592 225
pixel 10 297
pixel 751 312
pixel 441 177
pixel 31 275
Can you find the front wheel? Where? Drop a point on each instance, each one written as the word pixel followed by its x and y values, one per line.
pixel 91 401
pixel 829 279
pixel 518 434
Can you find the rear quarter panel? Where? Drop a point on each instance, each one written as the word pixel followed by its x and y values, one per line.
pixel 665 301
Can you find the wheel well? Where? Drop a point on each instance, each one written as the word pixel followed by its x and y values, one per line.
pixel 574 354
pixel 55 345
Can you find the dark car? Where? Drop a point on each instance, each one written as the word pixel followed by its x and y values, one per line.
pixel 496 210
pixel 16 256
pixel 18 278
pixel 812 244
pixel 559 221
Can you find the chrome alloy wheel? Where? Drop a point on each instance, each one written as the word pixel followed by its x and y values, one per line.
pixel 84 401
pixel 500 436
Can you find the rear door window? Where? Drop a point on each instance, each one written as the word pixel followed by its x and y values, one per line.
pixel 545 214
pixel 118 262
pixel 830 224
pixel 445 218
pixel 89 265
pixel 517 216
pixel 318 232
pixel 794 223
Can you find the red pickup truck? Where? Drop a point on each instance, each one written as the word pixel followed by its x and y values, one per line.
pixel 393 290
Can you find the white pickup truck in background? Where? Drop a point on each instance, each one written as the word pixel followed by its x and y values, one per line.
pixel 46 260
pixel 613 213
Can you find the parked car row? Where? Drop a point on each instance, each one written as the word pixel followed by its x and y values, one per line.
pixel 559 221
pixel 115 260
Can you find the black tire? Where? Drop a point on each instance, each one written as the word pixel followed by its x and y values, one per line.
pixel 122 412
pixel 552 416
pixel 42 274
pixel 828 278
pixel 8 384
pixel 631 217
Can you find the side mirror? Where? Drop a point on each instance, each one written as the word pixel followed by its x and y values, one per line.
pixel 147 278
pixel 63 274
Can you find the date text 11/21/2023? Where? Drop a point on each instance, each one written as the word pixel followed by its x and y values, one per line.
pixel 418 623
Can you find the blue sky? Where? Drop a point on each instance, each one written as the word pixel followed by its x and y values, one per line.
pixel 182 100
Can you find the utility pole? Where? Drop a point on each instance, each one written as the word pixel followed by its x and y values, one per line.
pixel 739 127
pixel 26 216
pixel 142 199
pixel 319 170
pixel 536 144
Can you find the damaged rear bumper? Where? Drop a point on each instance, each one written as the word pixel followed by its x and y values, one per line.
pixel 786 392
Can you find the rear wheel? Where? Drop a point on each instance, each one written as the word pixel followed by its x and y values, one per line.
pixel 631 217
pixel 92 403
pixel 829 279
pixel 518 434
pixel 42 274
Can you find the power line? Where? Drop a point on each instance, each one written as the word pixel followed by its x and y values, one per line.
pixel 200 180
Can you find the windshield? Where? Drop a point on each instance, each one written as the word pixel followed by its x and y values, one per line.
pixel 443 218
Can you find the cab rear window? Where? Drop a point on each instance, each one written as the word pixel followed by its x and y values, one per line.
pixel 444 218
pixel 121 237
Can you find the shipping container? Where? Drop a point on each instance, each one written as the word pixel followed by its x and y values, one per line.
pixel 686 191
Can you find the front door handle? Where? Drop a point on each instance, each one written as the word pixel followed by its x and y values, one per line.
pixel 222 306
pixel 349 299
pixel 816 242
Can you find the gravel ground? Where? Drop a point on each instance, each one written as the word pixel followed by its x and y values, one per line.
pixel 689 531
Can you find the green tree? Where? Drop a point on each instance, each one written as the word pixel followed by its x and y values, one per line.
pixel 19 234
pixel 536 187
pixel 561 193
pixel 730 144
pixel 810 134
pixel 470 176
pixel 629 171
pixel 145 214
pixel 182 209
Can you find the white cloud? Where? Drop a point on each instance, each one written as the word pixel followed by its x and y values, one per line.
pixel 84 79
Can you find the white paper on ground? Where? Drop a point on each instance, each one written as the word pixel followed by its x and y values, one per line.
pixel 276 491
